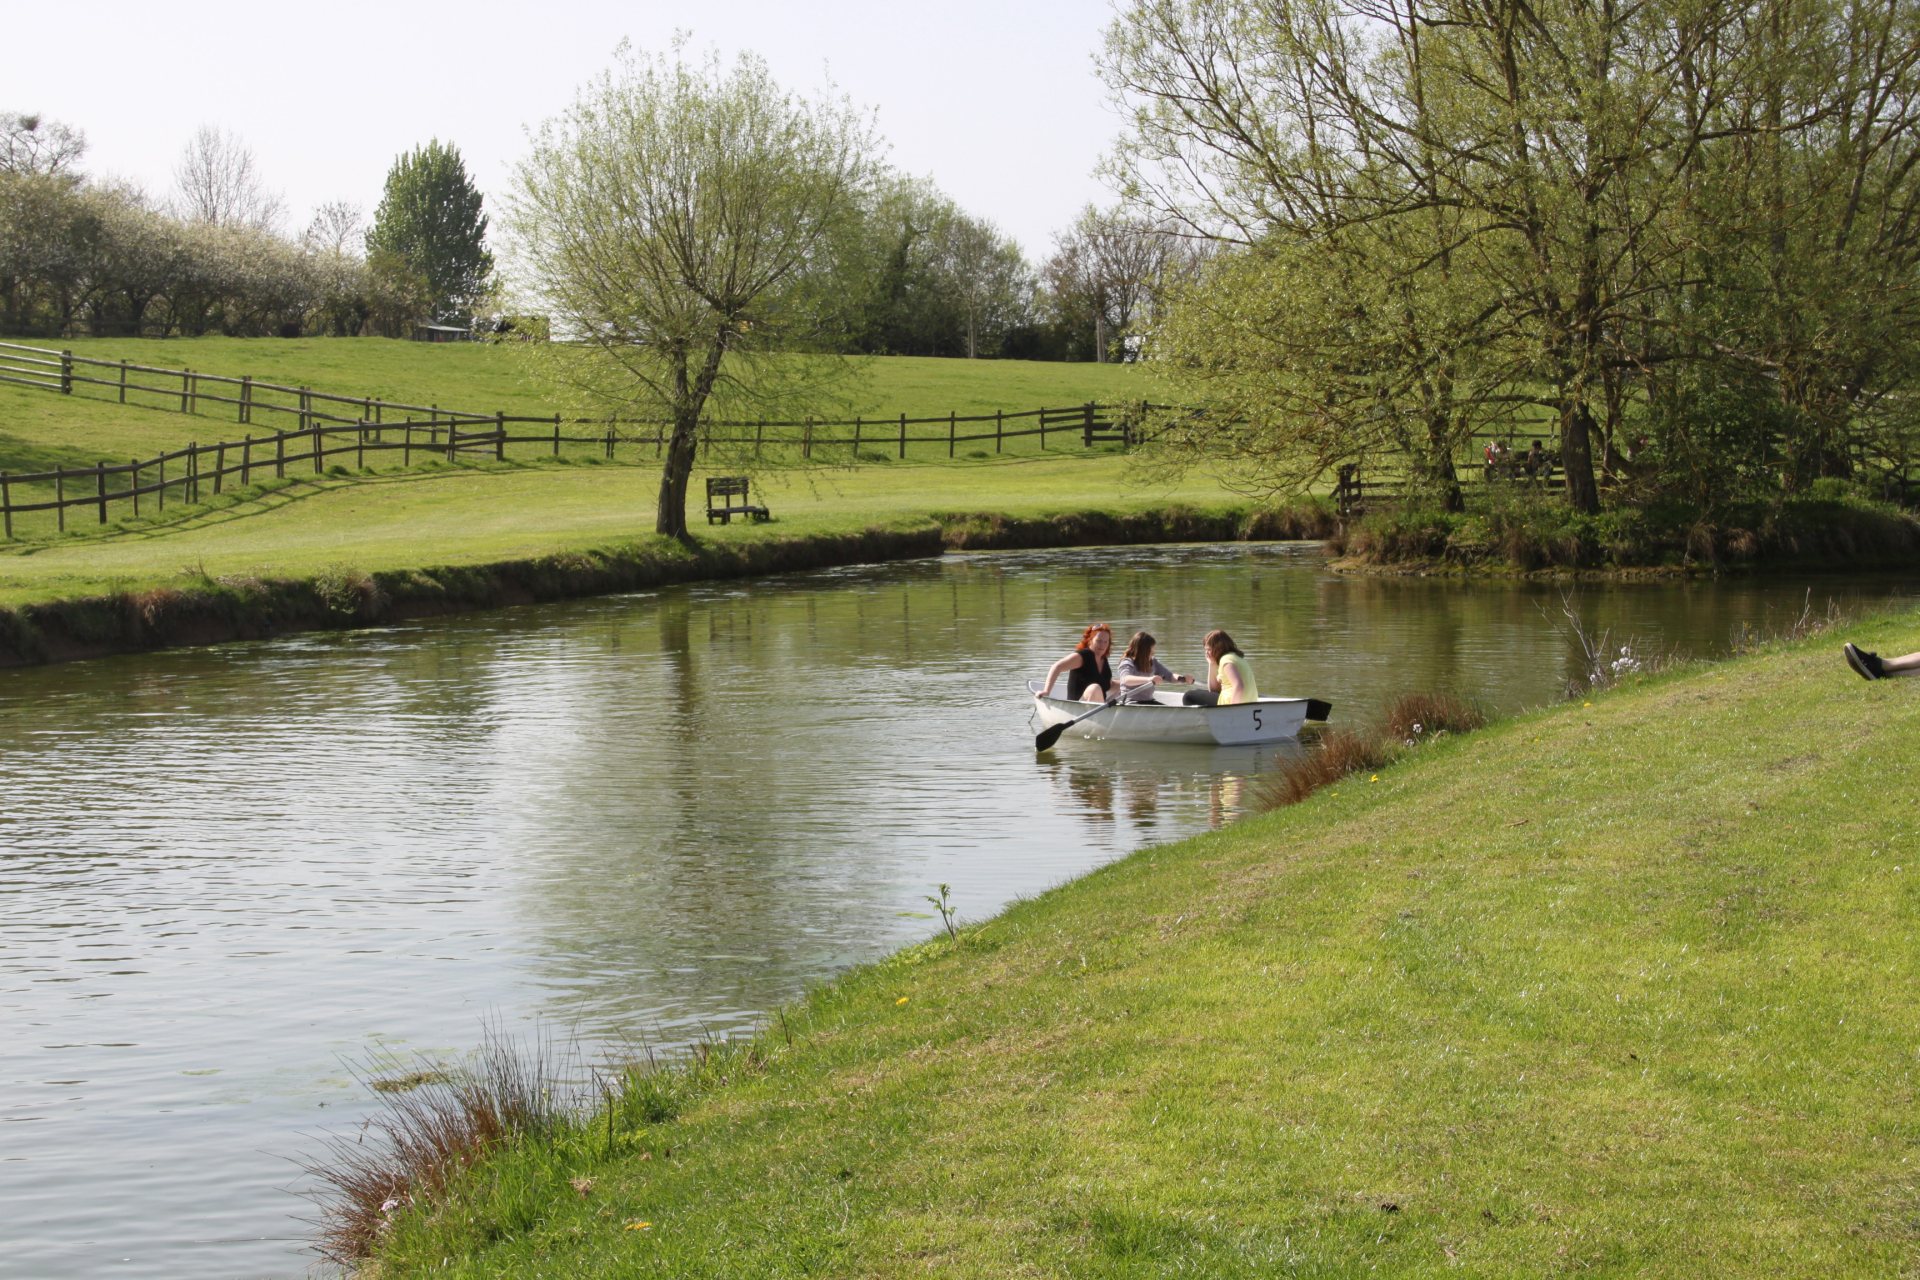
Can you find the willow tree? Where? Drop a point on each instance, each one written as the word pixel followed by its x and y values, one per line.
pixel 675 223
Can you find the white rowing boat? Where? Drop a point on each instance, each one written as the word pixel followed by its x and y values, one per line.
pixel 1166 719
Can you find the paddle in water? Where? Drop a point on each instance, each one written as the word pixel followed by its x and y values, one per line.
pixel 1048 736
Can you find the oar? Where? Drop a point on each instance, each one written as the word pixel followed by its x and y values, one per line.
pixel 1047 737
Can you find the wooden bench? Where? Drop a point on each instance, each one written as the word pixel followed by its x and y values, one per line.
pixel 727 498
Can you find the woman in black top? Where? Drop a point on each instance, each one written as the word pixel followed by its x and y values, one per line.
pixel 1088 675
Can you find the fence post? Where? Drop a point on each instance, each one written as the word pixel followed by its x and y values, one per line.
pixel 123 382
pixel 6 505
pixel 306 408
pixel 806 438
pixel 453 434
pixel 133 486
pixel 950 425
pixel 246 461
pixel 999 429
pixel 406 447
pixel 246 401
pixel 66 373
pixel 193 393
pixel 556 435
pixel 279 455
pixel 161 462
pixel 219 466
pixel 100 488
pixel 1086 425
pixel 856 439
pixel 500 436
pixel 193 470
pixel 186 376
pixel 60 497
pixel 360 445
pixel 609 440
pixel 319 463
pixel 759 434
pixel 903 437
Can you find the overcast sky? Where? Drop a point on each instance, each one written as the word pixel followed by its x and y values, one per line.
pixel 996 100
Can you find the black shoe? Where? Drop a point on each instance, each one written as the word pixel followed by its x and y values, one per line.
pixel 1867 664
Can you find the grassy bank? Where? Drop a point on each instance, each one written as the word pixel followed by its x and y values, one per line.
pixel 1618 989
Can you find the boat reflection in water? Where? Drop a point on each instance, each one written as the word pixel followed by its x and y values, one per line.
pixel 1126 783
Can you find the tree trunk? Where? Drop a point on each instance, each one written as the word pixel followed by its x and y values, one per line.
pixel 670 517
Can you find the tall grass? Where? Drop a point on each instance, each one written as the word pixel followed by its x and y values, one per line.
pixel 423 1136
pixel 1407 722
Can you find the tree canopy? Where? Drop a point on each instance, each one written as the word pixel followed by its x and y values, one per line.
pixel 679 220
pixel 1677 236
pixel 431 218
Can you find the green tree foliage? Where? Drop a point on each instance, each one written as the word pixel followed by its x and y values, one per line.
pixel 430 215
pixel 1616 223
pixel 679 221
pixel 924 278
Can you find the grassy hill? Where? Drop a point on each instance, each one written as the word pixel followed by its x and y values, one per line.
pixel 471 377
pixel 1618 989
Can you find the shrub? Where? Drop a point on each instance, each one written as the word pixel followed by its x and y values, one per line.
pixel 1338 753
pixel 1421 717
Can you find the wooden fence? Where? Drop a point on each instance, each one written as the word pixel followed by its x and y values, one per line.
pixel 330 428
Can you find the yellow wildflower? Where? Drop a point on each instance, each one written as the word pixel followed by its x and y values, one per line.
pixel 902 1000
pixel 639 1226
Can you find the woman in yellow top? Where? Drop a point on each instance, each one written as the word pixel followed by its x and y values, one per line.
pixel 1229 680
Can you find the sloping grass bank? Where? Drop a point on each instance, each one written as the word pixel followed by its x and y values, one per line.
pixel 1623 989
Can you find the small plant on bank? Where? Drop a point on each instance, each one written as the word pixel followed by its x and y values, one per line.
pixel 944 905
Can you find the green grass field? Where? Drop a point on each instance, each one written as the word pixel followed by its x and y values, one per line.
pixel 473 515
pixel 1652 1016
pixel 471 377
pixel 398 517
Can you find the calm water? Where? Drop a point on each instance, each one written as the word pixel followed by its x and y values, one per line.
pixel 228 876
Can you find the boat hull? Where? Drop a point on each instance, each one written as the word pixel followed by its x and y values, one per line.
pixel 1243 724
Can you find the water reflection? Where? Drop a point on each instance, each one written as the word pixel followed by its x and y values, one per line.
pixel 226 870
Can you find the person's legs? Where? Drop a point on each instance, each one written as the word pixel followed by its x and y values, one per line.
pixel 1200 698
pixel 1871 666
pixel 1093 693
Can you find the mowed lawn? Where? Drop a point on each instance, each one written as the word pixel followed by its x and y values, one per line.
pixel 474 515
pixel 1626 988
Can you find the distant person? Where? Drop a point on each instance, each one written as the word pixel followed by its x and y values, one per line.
pixel 1088 675
pixel 1872 666
pixel 1536 460
pixel 1139 672
pixel 1229 681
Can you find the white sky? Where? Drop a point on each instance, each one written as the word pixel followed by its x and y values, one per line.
pixel 996 100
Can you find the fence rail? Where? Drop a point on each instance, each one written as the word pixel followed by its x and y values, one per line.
pixel 322 433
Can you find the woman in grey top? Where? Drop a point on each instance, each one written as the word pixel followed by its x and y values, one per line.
pixel 1139 672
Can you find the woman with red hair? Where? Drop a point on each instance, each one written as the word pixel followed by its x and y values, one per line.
pixel 1088 675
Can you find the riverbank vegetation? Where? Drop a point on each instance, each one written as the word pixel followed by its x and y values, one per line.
pixel 1675 240
pixel 1619 986
pixel 1834 524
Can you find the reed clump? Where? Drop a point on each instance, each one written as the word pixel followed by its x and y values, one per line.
pixel 1408 722
pixel 422 1137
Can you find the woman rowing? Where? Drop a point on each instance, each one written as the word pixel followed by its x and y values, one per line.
pixel 1139 672
pixel 1088 675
